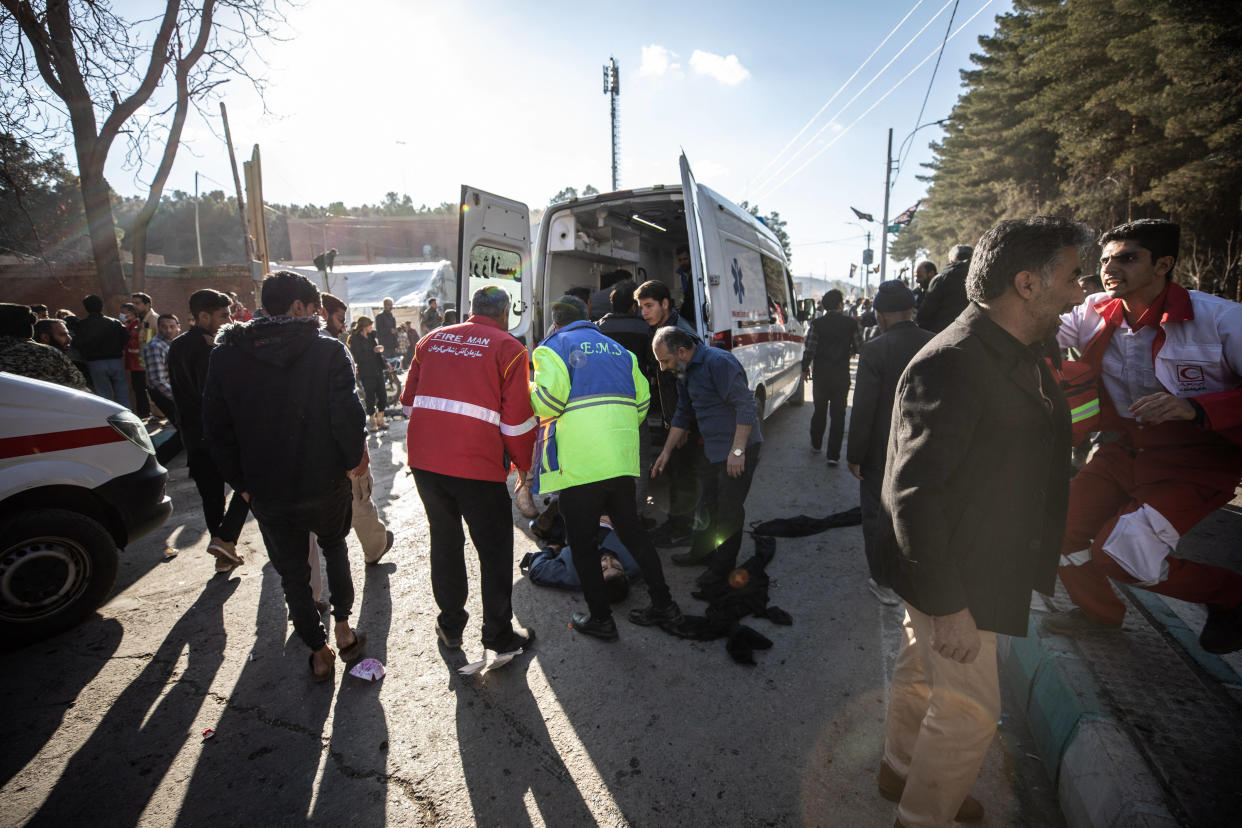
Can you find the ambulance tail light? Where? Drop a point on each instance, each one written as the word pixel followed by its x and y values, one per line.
pixel 132 429
pixel 723 339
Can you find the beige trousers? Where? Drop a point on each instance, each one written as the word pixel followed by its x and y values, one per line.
pixel 941 719
pixel 371 531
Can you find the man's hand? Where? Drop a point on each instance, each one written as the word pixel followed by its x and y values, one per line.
pixel 362 467
pixel 245 496
pixel 855 471
pixel 681 441
pixel 735 465
pixel 1162 408
pixel 806 374
pixel 659 463
pixel 955 636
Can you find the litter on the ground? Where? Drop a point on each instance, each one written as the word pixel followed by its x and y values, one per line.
pixel 171 553
pixel 368 669
pixel 208 733
pixel 485 666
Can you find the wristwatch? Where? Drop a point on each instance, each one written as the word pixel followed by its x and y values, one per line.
pixel 737 452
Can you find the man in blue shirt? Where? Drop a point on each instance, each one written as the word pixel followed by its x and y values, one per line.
pixel 712 390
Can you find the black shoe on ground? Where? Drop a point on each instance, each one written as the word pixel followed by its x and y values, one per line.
pixel 691 558
pixel 1222 633
pixel 650 616
pixel 513 642
pixel 453 642
pixel 603 629
pixel 1073 623
pixel 832 464
pixel 666 537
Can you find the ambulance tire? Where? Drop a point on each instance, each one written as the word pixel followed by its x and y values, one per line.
pixel 798 397
pixel 56 568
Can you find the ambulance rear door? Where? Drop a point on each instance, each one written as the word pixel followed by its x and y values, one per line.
pixel 698 255
pixel 493 249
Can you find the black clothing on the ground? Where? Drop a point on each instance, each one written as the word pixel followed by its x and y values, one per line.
pixel 944 299
pixel 281 413
pixel 100 337
pixel 582 506
pixel 804 525
pixel 977 479
pixel 447 501
pixel 286 526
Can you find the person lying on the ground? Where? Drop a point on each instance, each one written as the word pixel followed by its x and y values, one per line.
pixel 553 565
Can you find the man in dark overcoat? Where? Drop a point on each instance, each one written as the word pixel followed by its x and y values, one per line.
pixel 977 487
pixel 880 363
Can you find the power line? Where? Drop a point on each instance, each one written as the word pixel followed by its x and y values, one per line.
pixel 841 89
pixel 857 95
pixel 866 112
pixel 901 163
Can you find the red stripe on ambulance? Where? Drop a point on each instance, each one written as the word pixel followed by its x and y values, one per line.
pixel 58 441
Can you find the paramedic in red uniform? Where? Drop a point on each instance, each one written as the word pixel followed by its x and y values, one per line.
pixel 469 407
pixel 1170 364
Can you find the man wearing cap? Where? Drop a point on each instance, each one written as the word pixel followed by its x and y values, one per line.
pixel 826 362
pixel 880 363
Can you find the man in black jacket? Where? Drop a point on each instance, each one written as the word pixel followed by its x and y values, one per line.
pixel 283 421
pixel 946 293
pixel 880 363
pixel 826 362
pixel 977 485
pixel 187 360
pixel 101 342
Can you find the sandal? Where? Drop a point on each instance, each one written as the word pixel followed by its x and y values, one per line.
pixel 319 678
pixel 354 651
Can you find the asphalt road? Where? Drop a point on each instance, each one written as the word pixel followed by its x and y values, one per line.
pixel 103 725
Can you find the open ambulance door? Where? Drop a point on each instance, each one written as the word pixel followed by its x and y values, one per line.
pixel 493 249
pixel 698 257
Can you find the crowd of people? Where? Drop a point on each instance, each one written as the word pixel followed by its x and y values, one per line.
pixel 960 436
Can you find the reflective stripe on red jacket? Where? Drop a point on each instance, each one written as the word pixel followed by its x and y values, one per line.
pixel 469 402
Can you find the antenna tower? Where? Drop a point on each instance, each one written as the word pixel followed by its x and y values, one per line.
pixel 612 88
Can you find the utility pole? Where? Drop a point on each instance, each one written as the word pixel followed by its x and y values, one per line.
pixel 888 172
pixel 198 236
pixel 612 88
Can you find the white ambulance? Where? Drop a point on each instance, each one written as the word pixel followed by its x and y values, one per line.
pixel 741 281
pixel 78 478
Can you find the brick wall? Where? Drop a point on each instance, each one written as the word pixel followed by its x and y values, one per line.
pixel 169 287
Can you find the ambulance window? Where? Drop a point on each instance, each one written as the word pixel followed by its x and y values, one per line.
pixel 491 267
pixel 778 295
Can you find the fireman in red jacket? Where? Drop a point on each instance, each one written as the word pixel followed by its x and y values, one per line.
pixel 469 407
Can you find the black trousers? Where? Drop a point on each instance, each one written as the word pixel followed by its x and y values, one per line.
pixel 829 392
pixel 373 390
pixel 172 446
pixel 878 540
pixel 487 509
pixel 138 381
pixel 286 528
pixel 221 523
pixel 725 499
pixel 582 507
pixel 685 492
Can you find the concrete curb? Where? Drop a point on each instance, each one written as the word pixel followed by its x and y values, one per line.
pixel 1102 780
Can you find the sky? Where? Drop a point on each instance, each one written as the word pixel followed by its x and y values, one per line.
pixel 784 104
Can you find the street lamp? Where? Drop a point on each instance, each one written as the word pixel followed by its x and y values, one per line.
pixel 888 187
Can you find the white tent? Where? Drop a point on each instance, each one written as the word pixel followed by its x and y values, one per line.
pixel 363 288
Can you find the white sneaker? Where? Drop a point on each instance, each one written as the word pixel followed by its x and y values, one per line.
pixel 883 594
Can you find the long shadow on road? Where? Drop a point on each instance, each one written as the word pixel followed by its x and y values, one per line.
pixel 145 727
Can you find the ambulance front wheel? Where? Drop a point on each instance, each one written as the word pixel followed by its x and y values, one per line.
pixel 56 568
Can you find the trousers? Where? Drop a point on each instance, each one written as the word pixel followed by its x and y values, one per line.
pixel 487 510
pixel 829 391
pixel 225 524
pixel 108 379
pixel 582 507
pixel 1126 503
pixel 286 527
pixel 724 499
pixel 941 719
